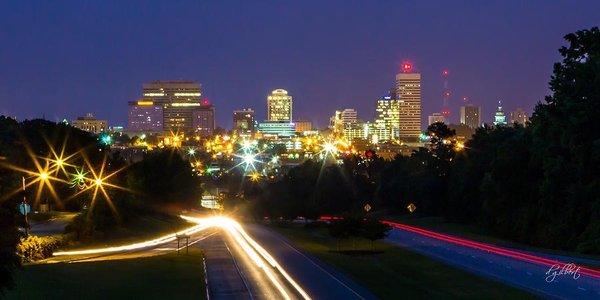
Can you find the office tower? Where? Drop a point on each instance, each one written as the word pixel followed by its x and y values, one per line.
pixel 243 120
pixel 499 116
pixel 349 116
pixel 302 126
pixel 179 99
pixel 519 116
pixel 203 119
pixel 335 122
pixel 387 119
pixel 90 123
pixel 408 93
pixel 145 116
pixel 436 117
pixel 356 131
pixel 279 106
pixel 470 116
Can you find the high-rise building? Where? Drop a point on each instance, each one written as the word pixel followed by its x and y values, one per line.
pixel 179 99
pixel 335 122
pixel 499 116
pixel 436 117
pixel 349 116
pixel 277 128
pixel 145 116
pixel 203 119
pixel 470 116
pixel 90 123
pixel 243 120
pixel 408 92
pixel 518 116
pixel 387 119
pixel 279 106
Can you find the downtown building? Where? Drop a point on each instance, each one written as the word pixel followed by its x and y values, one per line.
pixel 408 95
pixel 470 116
pixel 244 121
pixel 89 123
pixel 499 115
pixel 519 117
pixel 387 119
pixel 279 115
pixel 181 107
pixel 436 118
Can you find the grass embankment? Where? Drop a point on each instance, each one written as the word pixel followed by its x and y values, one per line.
pixel 481 235
pixel 138 229
pixel 396 273
pixel 168 276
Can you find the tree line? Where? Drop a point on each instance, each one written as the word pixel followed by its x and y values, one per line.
pixel 537 184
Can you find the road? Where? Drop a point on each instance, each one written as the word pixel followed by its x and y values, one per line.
pixel 319 280
pixel 55 225
pixel 526 270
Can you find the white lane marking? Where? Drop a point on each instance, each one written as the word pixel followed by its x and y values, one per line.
pixel 581 288
pixel 314 263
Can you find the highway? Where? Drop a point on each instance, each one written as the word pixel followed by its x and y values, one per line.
pixel 319 280
pixel 237 266
pixel 526 270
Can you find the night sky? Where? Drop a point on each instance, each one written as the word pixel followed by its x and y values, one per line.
pixel 61 59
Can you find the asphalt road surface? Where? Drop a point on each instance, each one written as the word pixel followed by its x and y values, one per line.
pixel 520 273
pixel 317 279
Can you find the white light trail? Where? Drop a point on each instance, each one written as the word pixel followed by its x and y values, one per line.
pixel 254 251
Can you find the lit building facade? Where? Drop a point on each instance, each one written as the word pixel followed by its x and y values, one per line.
pixel 145 116
pixel 281 128
pixel 356 131
pixel 203 119
pixel 349 116
pixel 279 106
pixel 90 123
pixel 470 116
pixel 518 116
pixel 408 94
pixel 499 116
pixel 436 117
pixel 387 119
pixel 244 121
pixel 178 99
pixel 302 126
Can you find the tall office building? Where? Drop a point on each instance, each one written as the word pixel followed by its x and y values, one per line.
pixel 243 120
pixel 435 118
pixel 179 99
pixel 349 116
pixel 203 119
pixel 499 116
pixel 519 116
pixel 279 106
pixel 90 123
pixel 387 119
pixel 145 117
pixel 470 116
pixel 408 92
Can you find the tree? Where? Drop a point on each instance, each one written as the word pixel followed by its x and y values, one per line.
pixel 373 230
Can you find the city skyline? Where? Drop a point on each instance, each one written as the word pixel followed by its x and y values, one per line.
pixel 104 65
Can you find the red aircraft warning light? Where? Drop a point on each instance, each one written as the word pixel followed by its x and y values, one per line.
pixel 205 102
pixel 407 67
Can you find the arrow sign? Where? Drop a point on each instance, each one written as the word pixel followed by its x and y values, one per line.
pixel 24 208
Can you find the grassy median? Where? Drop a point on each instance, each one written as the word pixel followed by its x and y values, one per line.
pixel 168 276
pixel 396 273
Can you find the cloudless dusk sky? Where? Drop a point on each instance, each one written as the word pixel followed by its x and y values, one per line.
pixel 62 59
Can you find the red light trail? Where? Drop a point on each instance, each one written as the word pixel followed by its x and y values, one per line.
pixel 493 249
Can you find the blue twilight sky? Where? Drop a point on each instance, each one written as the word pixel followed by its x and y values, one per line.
pixel 65 58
